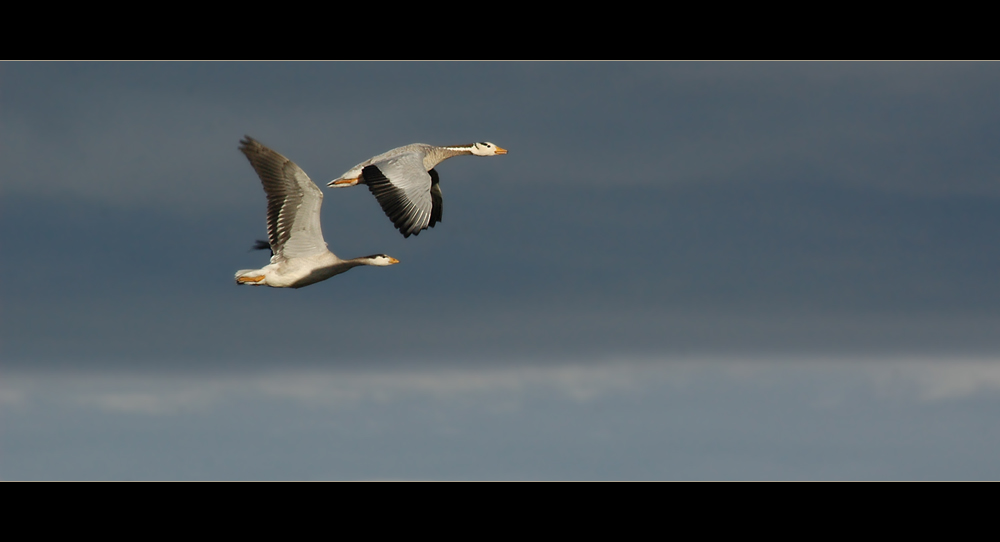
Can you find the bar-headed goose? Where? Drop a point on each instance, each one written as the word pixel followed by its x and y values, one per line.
pixel 299 254
pixel 405 184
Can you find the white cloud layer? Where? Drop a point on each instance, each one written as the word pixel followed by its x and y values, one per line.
pixel 912 379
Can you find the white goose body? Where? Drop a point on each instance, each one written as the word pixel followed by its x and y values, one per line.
pixel 405 184
pixel 300 271
pixel 299 255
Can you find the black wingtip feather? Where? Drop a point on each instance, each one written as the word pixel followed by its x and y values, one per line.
pixel 436 206
pixel 262 245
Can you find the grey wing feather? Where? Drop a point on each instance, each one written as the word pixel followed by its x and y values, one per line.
pixel 403 188
pixel 293 202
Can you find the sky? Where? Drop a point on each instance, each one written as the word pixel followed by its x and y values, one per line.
pixel 680 271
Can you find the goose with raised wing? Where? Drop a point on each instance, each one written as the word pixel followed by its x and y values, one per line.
pixel 405 183
pixel 299 255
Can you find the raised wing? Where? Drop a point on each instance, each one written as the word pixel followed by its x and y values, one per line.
pixel 293 202
pixel 403 188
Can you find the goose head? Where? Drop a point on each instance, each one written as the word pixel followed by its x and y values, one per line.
pixel 380 260
pixel 485 148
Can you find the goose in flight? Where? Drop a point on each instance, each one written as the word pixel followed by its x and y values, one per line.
pixel 405 184
pixel 299 256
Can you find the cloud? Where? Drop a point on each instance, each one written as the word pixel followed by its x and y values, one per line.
pixel 833 379
pixel 938 379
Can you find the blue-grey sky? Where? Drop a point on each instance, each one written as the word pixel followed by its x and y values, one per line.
pixel 680 270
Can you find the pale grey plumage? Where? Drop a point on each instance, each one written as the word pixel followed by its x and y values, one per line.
pixel 293 202
pixel 299 254
pixel 405 184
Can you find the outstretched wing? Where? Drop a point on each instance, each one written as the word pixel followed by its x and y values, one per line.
pixel 403 188
pixel 293 202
